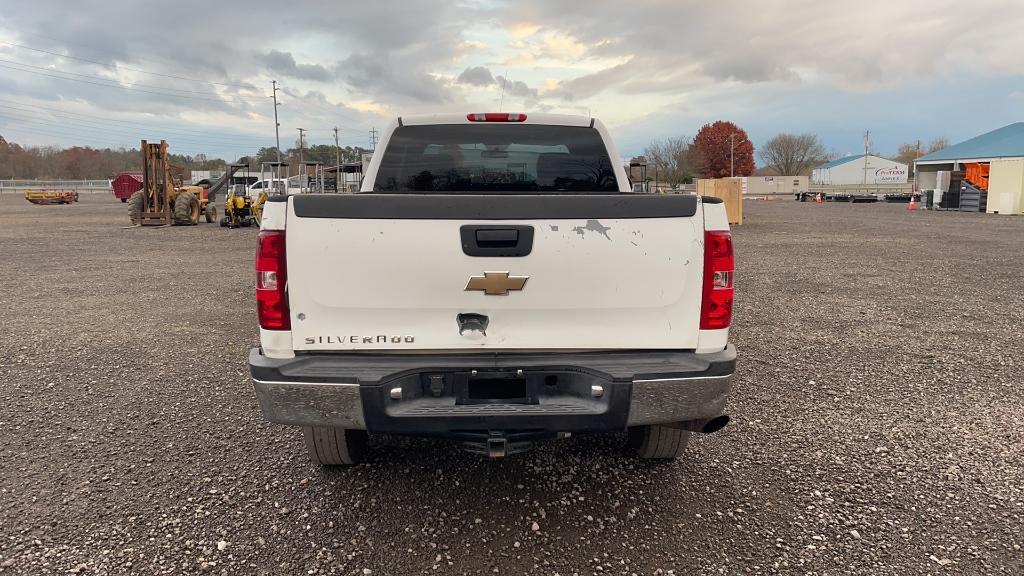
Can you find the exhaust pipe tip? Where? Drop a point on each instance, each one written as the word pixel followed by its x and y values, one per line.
pixel 715 424
pixel 706 425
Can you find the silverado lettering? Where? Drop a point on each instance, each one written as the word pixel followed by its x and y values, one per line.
pixel 356 339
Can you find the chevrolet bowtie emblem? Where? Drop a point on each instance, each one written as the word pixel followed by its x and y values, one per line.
pixel 496 283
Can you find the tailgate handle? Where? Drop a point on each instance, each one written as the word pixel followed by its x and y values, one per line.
pixel 496 240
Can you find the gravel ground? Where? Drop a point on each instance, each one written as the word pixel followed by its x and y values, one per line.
pixel 878 423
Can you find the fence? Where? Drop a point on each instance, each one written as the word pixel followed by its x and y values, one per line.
pixel 80 186
pixel 863 189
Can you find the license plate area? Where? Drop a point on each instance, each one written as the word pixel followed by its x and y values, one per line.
pixel 494 388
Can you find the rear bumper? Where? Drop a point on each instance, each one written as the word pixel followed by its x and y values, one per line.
pixel 430 394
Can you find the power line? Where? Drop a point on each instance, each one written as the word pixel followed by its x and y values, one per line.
pixel 151 57
pixel 102 79
pixel 27 108
pixel 92 130
pixel 127 68
pixel 121 86
pixel 125 130
pixel 48 72
pixel 330 109
pixel 44 132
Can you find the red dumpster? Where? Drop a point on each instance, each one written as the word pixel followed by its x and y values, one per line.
pixel 125 184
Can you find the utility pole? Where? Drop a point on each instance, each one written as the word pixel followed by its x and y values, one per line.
pixel 277 125
pixel 337 163
pixel 867 146
pixel 373 139
pixel 302 131
pixel 337 149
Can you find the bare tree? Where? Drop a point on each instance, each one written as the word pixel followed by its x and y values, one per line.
pixel 937 144
pixel 792 154
pixel 672 157
pixel 908 152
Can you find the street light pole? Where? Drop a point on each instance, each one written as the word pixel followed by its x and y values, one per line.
pixel 732 155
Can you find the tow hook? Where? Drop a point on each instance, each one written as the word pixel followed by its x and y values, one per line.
pixel 497 445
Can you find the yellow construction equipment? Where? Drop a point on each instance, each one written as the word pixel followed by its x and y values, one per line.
pixel 51 196
pixel 241 209
pixel 163 200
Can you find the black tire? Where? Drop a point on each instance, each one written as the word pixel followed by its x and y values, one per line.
pixel 224 222
pixel 211 213
pixel 335 446
pixel 186 209
pixel 123 200
pixel 135 208
pixel 658 442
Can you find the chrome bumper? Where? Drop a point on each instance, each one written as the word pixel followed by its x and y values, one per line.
pixel 306 404
pixel 336 392
pixel 677 399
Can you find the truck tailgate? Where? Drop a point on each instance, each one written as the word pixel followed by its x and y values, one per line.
pixel 392 272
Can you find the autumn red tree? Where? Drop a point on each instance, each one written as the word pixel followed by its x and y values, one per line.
pixel 714 159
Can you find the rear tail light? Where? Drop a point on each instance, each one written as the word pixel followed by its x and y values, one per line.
pixel 716 303
pixel 271 281
pixel 496 117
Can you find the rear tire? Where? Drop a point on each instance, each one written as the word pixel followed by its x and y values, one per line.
pixel 186 209
pixel 211 213
pixel 329 446
pixel 658 442
pixel 135 208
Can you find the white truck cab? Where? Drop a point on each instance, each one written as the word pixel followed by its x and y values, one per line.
pixel 496 281
pixel 273 186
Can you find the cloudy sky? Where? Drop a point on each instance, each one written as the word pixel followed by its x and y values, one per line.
pixel 198 73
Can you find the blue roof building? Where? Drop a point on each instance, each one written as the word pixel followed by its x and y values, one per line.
pixel 999 146
pixel 1006 142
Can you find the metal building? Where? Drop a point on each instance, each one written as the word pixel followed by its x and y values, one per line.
pixel 1000 152
pixel 860 169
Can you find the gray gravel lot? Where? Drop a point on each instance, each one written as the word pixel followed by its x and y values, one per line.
pixel 878 422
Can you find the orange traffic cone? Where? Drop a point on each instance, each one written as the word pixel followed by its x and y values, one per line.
pixel 912 205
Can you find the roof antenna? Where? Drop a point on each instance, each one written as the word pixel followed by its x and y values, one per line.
pixel 501 99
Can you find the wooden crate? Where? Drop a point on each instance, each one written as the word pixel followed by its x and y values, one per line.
pixel 730 191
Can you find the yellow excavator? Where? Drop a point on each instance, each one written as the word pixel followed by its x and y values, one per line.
pixel 163 200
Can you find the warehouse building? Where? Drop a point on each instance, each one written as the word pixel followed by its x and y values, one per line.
pixel 860 169
pixel 999 154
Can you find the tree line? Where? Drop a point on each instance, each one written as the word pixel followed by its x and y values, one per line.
pixel 721 149
pixel 86 163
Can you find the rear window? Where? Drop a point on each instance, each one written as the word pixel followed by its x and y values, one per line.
pixel 475 158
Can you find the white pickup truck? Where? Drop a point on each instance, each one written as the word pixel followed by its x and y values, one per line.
pixel 497 282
